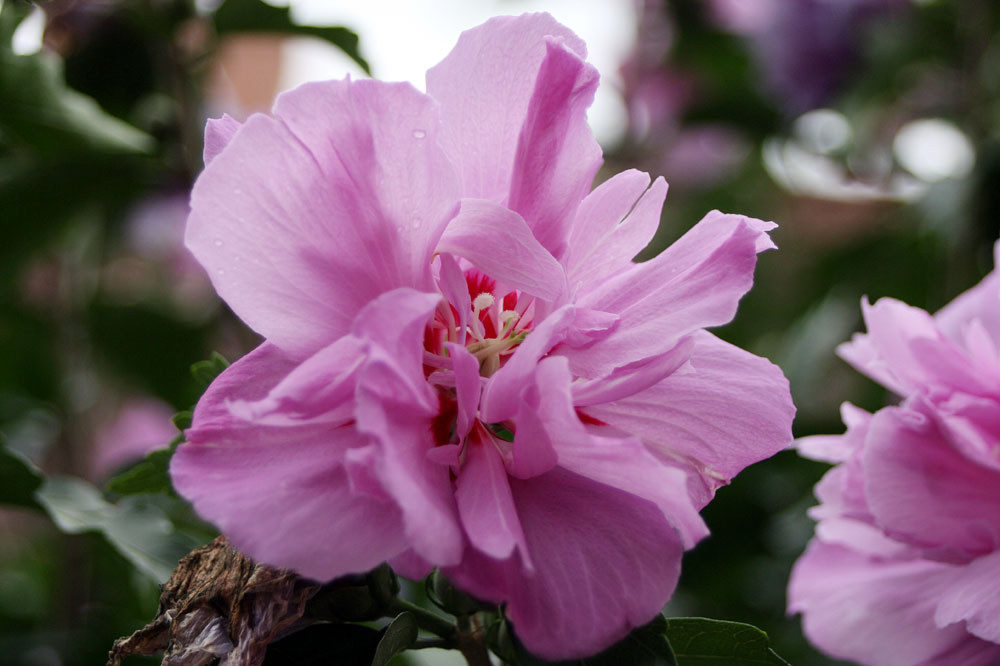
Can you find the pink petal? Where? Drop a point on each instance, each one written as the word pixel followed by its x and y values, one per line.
pixel 533 452
pixel 503 390
pixel 878 612
pixel 281 493
pixel 695 283
pixel 905 351
pixel 605 561
pixel 396 321
pixel 249 379
pixel 837 448
pixel 729 410
pixel 298 239
pixel 396 407
pixel 499 243
pixel 484 87
pixel 287 501
pixel 456 290
pixel 924 491
pixel 981 302
pixel 467 384
pixel 633 378
pixel 399 420
pixel 557 155
pixel 320 388
pixel 620 462
pixel 613 224
pixel 485 504
pixel 218 133
pixel 970 652
pixel 974 598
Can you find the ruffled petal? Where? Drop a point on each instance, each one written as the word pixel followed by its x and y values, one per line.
pixel 695 283
pixel 305 218
pixel 289 502
pixel 282 494
pixel 722 412
pixel 396 407
pixel 499 243
pixel 905 351
pixel 605 562
pixel 878 612
pixel 503 390
pixel 250 379
pixel 484 87
pixel 486 506
pixel 611 459
pixel 557 155
pixel 922 490
pixel 218 133
pixel 980 303
pixel 970 652
pixel 974 598
pixel 613 224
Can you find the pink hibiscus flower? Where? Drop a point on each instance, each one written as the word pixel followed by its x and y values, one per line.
pixel 463 366
pixel 905 566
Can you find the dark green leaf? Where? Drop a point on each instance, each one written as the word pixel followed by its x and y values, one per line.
pixel 702 642
pixel 205 372
pixel 398 636
pixel 18 479
pixel 39 110
pixel 645 646
pixel 356 598
pixel 182 420
pixel 138 530
pixel 257 16
pixel 149 475
pixel 325 645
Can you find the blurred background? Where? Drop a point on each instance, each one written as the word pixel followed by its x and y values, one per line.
pixel 868 129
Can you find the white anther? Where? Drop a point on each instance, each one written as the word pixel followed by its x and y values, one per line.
pixel 482 301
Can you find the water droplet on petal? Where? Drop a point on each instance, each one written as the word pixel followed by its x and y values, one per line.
pixel 417 222
pixel 419 134
pixel 221 271
pixel 236 257
pixel 217 242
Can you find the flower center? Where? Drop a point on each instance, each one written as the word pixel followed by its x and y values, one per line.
pixel 490 330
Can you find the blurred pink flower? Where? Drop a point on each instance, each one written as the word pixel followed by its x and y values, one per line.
pixel 141 425
pixel 905 566
pixel 463 366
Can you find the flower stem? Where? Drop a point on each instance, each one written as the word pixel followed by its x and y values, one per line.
pixel 426 620
pixel 471 641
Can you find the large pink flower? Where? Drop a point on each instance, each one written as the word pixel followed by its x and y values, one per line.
pixel 463 367
pixel 905 566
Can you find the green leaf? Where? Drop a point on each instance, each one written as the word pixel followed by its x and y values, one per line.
pixel 702 642
pixel 39 110
pixel 205 372
pixel 18 480
pixel 257 16
pixel 149 475
pixel 182 420
pixel 138 530
pixel 397 637
pixel 645 646
pixel 323 645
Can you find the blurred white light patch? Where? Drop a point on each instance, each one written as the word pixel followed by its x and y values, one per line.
pixel 401 39
pixel 933 150
pixel 27 38
pixel 823 131
pixel 806 173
